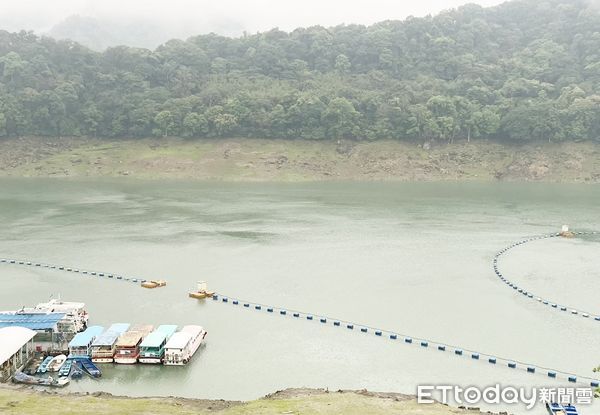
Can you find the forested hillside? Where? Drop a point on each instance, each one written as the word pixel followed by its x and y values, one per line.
pixel 525 70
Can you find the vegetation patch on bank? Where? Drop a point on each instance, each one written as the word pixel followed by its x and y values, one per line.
pixel 298 160
pixel 19 401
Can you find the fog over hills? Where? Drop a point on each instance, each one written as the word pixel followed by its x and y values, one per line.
pixel 100 24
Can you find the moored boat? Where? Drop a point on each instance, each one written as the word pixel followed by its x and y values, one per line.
pixel 21 377
pixel 56 363
pixel 152 348
pixel 104 346
pixel 65 370
pixel 183 345
pixel 128 345
pixel 76 370
pixel 89 367
pixel 43 368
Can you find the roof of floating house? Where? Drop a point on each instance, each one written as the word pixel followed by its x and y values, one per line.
pixel 84 338
pixel 31 321
pixel 168 329
pixel 12 339
pixel 179 340
pixel 119 328
pixel 154 339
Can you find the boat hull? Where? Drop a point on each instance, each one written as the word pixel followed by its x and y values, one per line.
pixel 126 360
pixel 150 360
pixel 102 359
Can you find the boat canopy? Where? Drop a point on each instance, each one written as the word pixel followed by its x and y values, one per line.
pixel 119 328
pixel 129 339
pixel 168 329
pixel 193 330
pixel 84 338
pixel 154 339
pixel 178 340
pixel 143 329
pixel 108 338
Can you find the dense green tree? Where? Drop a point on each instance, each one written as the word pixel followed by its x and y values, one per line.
pixel 524 70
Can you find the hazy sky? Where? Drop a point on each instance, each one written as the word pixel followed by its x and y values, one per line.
pixel 249 15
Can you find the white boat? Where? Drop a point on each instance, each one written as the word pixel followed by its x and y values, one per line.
pixel 56 363
pixel 76 317
pixel 182 345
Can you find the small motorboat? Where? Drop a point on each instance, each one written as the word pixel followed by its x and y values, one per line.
pixel 76 371
pixel 43 368
pixel 21 377
pixel 88 367
pixel 56 363
pixel 65 369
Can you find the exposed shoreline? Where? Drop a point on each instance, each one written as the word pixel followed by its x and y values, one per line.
pixel 21 400
pixel 247 160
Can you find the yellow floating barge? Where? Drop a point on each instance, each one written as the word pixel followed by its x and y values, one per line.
pixel 201 292
pixel 154 284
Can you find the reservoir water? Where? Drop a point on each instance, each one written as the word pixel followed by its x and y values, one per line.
pixel 410 257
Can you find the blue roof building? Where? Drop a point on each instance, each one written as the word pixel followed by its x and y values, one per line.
pixel 32 321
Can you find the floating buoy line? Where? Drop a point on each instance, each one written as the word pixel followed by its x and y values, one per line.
pixel 74 270
pixel 428 344
pixel 421 343
pixel 575 311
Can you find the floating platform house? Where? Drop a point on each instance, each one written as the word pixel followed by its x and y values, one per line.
pixel 128 344
pixel 182 345
pixel 152 348
pixel 81 345
pixel 104 346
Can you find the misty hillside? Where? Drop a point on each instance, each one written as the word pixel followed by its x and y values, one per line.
pixel 99 34
pixel 524 70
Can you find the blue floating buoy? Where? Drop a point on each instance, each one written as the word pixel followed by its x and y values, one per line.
pixel 572 379
pixel 378 333
pixel 296 315
pixel 531 369
pixel 475 356
pixel 269 310
pixel 336 323
pixel 393 336
pixel 235 302
pixel 246 305
pixel 458 352
pixel 309 317
pixel 323 320
pixel 551 374
pixel 350 326
pixel 364 330
pixel 424 344
pixel 258 307
pixel 407 340
pixel 492 360
pixel 512 365
pixel 442 348
pixel 282 312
